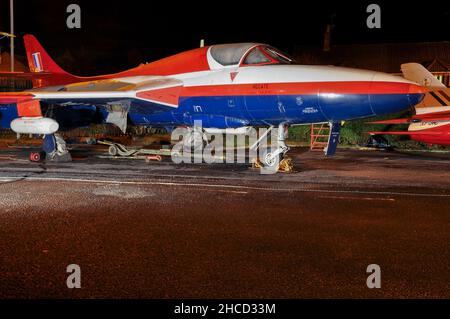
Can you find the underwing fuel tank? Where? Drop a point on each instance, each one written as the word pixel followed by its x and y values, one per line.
pixel 35 125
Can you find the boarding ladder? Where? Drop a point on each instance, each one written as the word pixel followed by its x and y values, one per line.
pixel 320 133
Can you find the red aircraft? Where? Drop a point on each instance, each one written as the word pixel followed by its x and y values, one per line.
pixel 431 124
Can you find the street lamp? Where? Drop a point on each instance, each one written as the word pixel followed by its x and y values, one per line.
pixel 11 34
pixel 11 19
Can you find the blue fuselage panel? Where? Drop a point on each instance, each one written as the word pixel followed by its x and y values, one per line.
pixel 235 111
pixel 8 112
pixel 275 109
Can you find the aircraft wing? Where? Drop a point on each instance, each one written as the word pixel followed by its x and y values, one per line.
pixel 119 96
pixel 424 132
pixel 394 121
pixel 160 90
pixel 434 117
pixel 425 117
pixel 15 97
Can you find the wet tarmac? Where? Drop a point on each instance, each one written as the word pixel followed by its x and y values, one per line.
pixel 160 230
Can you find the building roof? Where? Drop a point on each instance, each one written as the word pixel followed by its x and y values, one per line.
pixel 385 57
pixel 5 63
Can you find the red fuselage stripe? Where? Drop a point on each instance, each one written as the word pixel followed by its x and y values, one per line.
pixel 302 88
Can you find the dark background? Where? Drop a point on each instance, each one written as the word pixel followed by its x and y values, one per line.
pixel 117 35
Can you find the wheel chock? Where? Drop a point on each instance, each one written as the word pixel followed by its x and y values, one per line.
pixel 285 166
pixel 153 158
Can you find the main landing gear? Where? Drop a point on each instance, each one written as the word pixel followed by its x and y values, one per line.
pixel 194 138
pixel 269 156
pixel 54 149
pixel 272 157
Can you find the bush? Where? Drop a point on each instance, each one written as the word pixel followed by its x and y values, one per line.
pixel 355 133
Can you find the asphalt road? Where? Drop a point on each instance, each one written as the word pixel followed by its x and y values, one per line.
pixel 160 230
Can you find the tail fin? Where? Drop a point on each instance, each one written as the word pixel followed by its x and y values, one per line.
pixel 40 62
pixel 418 73
pixel 38 58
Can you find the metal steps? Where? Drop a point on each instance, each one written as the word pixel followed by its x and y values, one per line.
pixel 320 134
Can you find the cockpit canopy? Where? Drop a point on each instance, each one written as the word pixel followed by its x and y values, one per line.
pixel 246 54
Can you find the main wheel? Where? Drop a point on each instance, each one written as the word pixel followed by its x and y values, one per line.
pixel 193 140
pixel 112 150
pixel 269 160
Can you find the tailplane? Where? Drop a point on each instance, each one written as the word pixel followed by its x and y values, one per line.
pixel 418 73
pixel 437 96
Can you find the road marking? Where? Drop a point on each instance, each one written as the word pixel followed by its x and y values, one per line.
pixel 227 191
pixel 218 186
pixel 359 198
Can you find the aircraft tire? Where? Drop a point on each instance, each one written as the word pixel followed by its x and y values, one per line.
pixel 113 151
pixel 268 160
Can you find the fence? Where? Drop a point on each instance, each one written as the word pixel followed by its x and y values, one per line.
pixel 10 84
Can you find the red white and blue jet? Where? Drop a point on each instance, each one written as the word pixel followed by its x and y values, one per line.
pixel 226 86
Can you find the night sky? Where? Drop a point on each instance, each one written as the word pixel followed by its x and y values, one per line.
pixel 117 35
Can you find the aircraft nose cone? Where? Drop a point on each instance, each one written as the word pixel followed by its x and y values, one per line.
pixel 390 97
pixel 416 93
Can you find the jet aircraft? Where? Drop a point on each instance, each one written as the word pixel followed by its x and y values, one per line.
pixel 225 86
